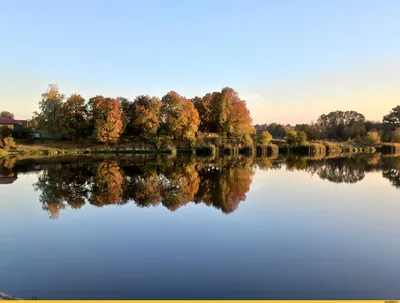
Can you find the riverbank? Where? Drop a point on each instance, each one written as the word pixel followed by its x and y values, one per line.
pixel 208 149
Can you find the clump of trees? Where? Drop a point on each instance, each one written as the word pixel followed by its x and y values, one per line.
pixel 143 118
pixel 340 126
pixel 296 138
pixel 224 113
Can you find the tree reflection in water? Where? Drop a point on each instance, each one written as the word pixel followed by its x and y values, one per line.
pixel 172 185
pixel 221 183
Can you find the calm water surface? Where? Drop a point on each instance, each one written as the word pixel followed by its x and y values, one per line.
pixel 142 228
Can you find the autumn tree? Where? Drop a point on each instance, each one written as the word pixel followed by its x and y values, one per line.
pixel 6 114
pixel 107 118
pixel 204 106
pixel 145 116
pixel 296 137
pixel 126 106
pixel 75 118
pixel 263 137
pixel 373 137
pixel 230 113
pixel 179 116
pixel 50 110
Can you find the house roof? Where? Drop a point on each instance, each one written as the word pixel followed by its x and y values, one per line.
pixel 6 120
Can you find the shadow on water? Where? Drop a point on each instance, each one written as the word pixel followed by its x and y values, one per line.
pixel 151 181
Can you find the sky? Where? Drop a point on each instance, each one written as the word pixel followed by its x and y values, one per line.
pixel 290 60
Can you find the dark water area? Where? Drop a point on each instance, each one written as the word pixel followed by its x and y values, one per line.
pixel 142 227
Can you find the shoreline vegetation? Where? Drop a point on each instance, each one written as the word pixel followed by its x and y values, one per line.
pixel 218 123
pixel 209 149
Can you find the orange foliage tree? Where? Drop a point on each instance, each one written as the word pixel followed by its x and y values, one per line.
pixel 107 119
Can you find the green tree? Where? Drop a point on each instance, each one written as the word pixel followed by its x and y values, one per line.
pixel 50 110
pixel 107 119
pixel 393 117
pixel 7 114
pixel 338 124
pixel 75 118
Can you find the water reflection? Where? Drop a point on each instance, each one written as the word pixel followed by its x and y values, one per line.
pixel 171 184
pixel 174 182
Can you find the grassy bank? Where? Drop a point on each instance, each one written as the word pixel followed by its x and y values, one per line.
pixel 318 149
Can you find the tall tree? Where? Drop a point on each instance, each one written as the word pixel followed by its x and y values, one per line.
pixel 126 106
pixel 6 114
pixel 145 118
pixel 230 113
pixel 179 116
pixel 204 105
pixel 107 119
pixel 337 123
pixel 75 117
pixel 50 110
pixel 393 117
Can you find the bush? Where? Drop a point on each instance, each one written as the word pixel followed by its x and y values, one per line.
pixel 318 149
pixel 172 150
pixel 192 141
pixel 162 143
pixel 263 138
pixel 272 149
pixel 8 143
pixel 296 138
pixel 372 137
pixel 245 139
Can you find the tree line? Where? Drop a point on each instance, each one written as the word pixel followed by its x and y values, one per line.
pixel 341 126
pixel 145 117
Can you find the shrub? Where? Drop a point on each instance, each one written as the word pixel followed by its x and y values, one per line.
pixel 272 149
pixel 372 137
pixel 7 143
pixel 172 150
pixel 246 139
pixel 162 143
pixel 317 149
pixel 263 138
pixel 192 141
pixel 219 141
pixel 296 138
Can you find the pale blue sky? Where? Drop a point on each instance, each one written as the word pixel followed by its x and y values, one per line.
pixel 291 60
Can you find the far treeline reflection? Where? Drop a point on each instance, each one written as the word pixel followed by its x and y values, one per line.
pixel 173 183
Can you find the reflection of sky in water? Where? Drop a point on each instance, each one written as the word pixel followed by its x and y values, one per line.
pixel 295 236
